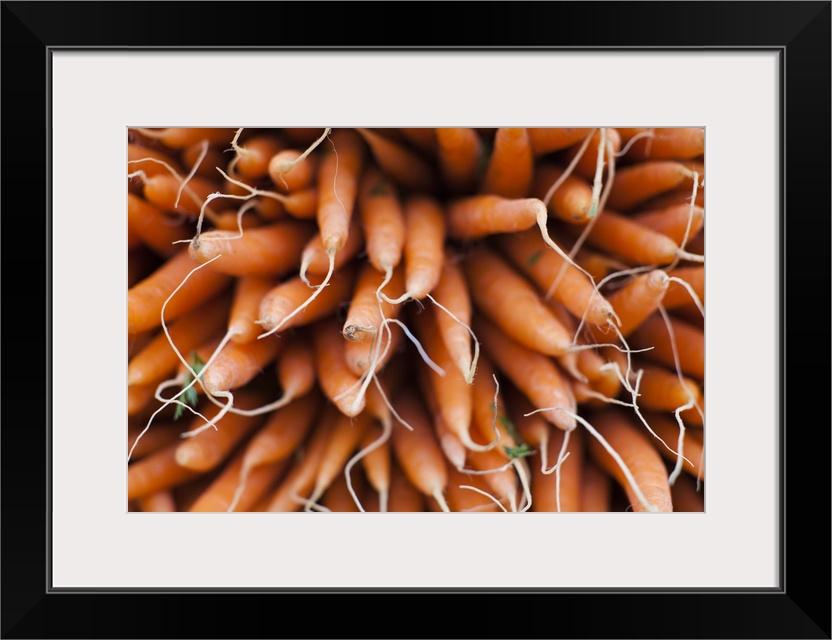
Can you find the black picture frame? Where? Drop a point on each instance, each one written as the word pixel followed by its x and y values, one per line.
pixel 799 608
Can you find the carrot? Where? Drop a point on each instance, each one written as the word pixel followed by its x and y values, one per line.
pixel 468 492
pixel 233 220
pixel 681 340
pixel 574 289
pixel 154 228
pixel 382 217
pixel 146 299
pixel 255 154
pixel 637 299
pixel 638 183
pixel 506 298
pixel 596 489
pixel 560 491
pixel 361 357
pixel 279 304
pixel 138 397
pixel 532 428
pixel 151 162
pixel 209 448
pixel 366 310
pixel 344 497
pixel 691 449
pixel 219 496
pixel 239 363
pixel 679 222
pixel 203 159
pixel 403 165
pixel 377 461
pixel 417 451
pixel 156 472
pixel 452 447
pixel 425 234
pixel 546 140
pixel 453 315
pixel 157 360
pixel 161 502
pixel 478 216
pixel 686 497
pixel 535 374
pixel 459 154
pixel 679 293
pixel 346 433
pixel 404 497
pixel 451 391
pixel 673 143
pixel 272 250
pixel 510 168
pixel 497 474
pixel 338 176
pixel 638 455
pixel 662 390
pixel 587 165
pixel 296 369
pixel 291 492
pixel 245 307
pixel 571 201
pixel 315 260
pixel 181 137
pixel 302 204
pixel 167 193
pixel 159 437
pixel 338 383
pixel 632 242
pixel 291 172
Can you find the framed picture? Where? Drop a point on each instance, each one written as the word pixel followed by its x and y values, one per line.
pixel 83 80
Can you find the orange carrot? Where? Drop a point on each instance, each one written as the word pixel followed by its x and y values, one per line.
pixel 459 154
pixel 209 158
pixel 489 420
pixel 272 250
pixel 158 359
pixel 255 154
pixel 296 369
pixel 668 430
pixel 678 294
pixel 510 168
pixel 548 139
pixel 138 397
pixel 156 472
pixel 166 192
pixel 209 448
pixel 146 298
pixel 277 305
pixel 453 314
pixel 638 183
pixel 302 204
pixel 535 374
pixel 239 363
pixel 340 499
pixel 219 495
pixel 366 311
pixel 571 201
pixel 687 341
pixel 161 435
pixel 417 451
pixel 315 259
pixel 346 434
pixel 338 383
pixel 460 496
pixel 587 165
pixel 181 137
pixel 596 488
pixel 673 143
pixel 338 176
pixel 377 461
pixel 382 217
pixel 453 448
pixel 403 165
pixel 638 455
pixel 293 489
pixel 451 391
pixel 560 490
pixel 404 497
pixel 376 353
pixel 245 307
pixel 154 227
pixel 574 290
pixel 425 233
pixel 501 294
pixel 422 138
pixel 661 389
pixel 290 175
pixel 473 217
pixel 637 299
pixel 632 242
pixel 497 474
pixel 679 222
pixel 150 161
pixel 161 502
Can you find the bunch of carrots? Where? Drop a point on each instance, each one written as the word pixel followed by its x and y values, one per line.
pixel 415 319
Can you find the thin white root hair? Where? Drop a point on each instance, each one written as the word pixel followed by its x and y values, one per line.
pixel 563 454
pixel 437 494
pixel 288 166
pixel 650 133
pixel 192 172
pixel 523 475
pixel 469 374
pixel 569 169
pixel 692 293
pixel 183 187
pixel 241 487
pixel 387 429
pixel 599 174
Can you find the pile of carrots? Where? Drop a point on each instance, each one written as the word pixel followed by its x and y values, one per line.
pixel 415 319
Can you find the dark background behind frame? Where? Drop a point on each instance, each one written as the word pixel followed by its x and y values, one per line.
pixel 800 609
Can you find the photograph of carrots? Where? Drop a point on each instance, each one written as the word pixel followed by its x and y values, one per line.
pixel 478 320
